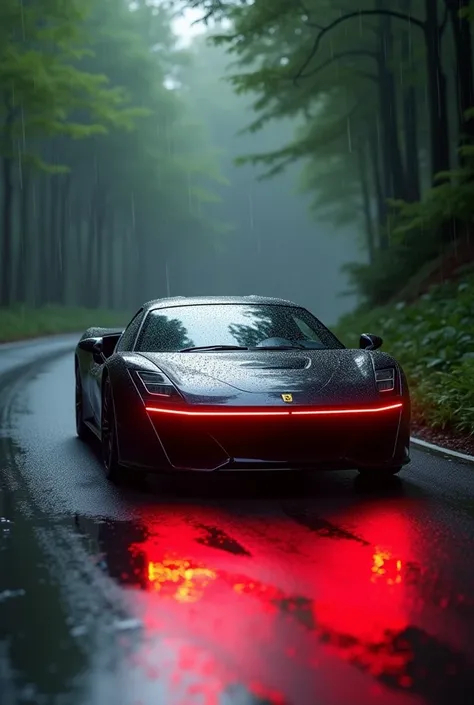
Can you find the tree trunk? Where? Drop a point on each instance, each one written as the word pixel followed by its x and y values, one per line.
pixel 101 234
pixel 437 91
pixel 394 172
pixel 42 272
pixel 464 67
pixel 6 259
pixel 62 239
pixel 374 156
pixel 6 253
pixel 79 241
pixel 80 268
pixel 24 253
pixel 391 154
pixel 52 242
pixel 366 204
pixel 90 256
pixel 129 270
pixel 412 152
pixel 110 265
pixel 94 248
pixel 410 116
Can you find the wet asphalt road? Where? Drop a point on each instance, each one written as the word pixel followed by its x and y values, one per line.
pixel 219 589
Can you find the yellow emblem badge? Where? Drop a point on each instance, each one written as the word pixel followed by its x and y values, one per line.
pixel 287 397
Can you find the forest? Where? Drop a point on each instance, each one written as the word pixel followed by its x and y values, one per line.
pixel 95 149
pixel 384 95
pixel 111 179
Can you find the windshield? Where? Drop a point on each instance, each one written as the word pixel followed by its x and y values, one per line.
pixel 243 325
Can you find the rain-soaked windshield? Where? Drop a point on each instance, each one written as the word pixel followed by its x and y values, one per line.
pixel 245 325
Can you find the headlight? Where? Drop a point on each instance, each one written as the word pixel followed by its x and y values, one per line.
pixel 158 384
pixel 385 379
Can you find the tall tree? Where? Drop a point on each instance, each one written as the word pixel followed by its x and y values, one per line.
pixel 43 93
pixel 365 80
pixel 96 155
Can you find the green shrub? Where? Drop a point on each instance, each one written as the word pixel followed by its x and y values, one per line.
pixel 378 283
pixel 452 402
pixel 434 341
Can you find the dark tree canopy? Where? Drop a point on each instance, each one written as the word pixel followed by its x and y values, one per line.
pixel 384 96
pixel 99 154
pixel 110 183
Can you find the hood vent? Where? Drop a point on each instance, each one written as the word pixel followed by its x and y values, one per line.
pixel 293 363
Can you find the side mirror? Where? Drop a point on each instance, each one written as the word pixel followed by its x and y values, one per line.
pixel 370 342
pixel 92 345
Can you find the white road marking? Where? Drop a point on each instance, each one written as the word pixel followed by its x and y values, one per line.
pixel 440 449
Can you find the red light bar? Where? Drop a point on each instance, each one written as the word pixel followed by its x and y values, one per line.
pixel 325 412
pixel 276 412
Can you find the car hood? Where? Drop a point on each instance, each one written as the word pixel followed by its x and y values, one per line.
pixel 265 371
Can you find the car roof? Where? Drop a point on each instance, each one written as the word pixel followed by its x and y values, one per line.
pixel 200 300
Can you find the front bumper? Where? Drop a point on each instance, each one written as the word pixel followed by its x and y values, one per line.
pixel 230 439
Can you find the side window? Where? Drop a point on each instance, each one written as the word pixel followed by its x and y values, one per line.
pixel 306 330
pixel 128 337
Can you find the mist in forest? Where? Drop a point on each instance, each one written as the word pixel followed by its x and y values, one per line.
pixel 136 194
pixel 275 246
pixel 317 153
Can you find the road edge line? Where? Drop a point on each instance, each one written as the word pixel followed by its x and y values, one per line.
pixel 441 449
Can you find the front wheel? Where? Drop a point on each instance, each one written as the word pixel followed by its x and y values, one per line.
pixel 113 470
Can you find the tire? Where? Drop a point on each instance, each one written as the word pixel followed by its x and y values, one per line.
pixel 81 428
pixel 113 471
pixel 379 473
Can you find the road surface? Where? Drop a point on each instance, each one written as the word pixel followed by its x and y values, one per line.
pixel 221 590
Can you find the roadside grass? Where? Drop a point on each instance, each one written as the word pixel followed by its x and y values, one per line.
pixel 23 322
pixel 433 339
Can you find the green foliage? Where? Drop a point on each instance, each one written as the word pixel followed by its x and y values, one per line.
pixel 95 122
pixel 452 405
pixel 158 161
pixel 452 199
pixel 42 86
pixel 378 283
pixel 356 78
pixel 434 341
pixel 420 232
pixel 467 12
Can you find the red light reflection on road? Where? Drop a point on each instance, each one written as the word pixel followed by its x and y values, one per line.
pixel 363 602
pixel 178 579
pixel 343 597
pixel 387 567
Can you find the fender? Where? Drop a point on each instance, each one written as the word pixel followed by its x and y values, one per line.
pixel 136 438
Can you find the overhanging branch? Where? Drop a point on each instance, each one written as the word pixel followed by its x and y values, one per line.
pixel 337 57
pixel 308 15
pixel 210 8
pixel 350 15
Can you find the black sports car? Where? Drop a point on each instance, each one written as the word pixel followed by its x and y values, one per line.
pixel 239 383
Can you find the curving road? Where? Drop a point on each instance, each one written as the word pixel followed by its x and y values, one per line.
pixel 221 590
